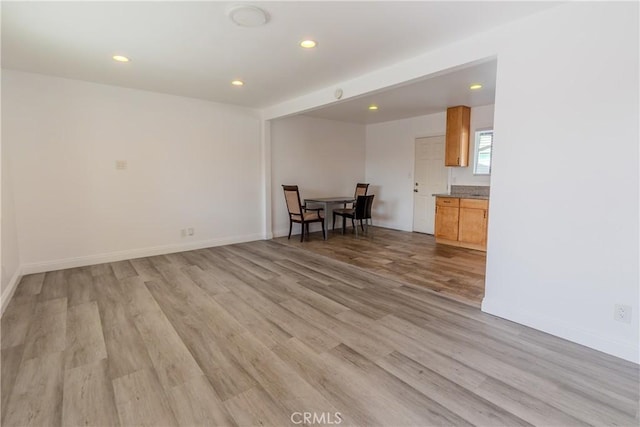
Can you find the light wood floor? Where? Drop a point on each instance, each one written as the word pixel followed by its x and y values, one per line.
pixel 409 257
pixel 249 334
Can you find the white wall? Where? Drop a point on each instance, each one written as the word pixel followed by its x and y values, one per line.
pixel 191 163
pixel 9 254
pixel 563 230
pixel 323 157
pixel 390 162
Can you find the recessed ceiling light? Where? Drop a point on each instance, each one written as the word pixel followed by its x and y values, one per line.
pixel 237 83
pixel 373 107
pixel 248 16
pixel 308 44
pixel 120 58
pixel 475 86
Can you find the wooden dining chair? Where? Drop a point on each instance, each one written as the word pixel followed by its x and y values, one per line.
pixel 361 212
pixel 299 213
pixel 361 190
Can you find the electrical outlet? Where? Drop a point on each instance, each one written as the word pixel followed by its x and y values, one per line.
pixel 183 233
pixel 622 313
pixel 190 231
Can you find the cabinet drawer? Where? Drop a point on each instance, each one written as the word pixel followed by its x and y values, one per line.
pixel 447 201
pixel 474 203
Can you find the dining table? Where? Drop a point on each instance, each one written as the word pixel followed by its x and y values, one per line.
pixel 327 204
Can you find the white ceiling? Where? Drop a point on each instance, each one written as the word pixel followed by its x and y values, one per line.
pixel 193 49
pixel 427 96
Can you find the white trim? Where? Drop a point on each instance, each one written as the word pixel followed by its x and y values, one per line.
pixel 10 289
pixel 391 225
pixel 625 350
pixel 40 267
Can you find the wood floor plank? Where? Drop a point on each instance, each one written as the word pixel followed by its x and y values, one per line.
pixel 88 398
pixel 269 333
pixel 255 407
pixel 206 280
pixel 195 403
pixel 10 364
pixel 349 392
pixel 54 285
pixel 123 269
pixel 36 397
pixel 274 376
pixel 412 404
pixel 145 269
pixel 15 323
pixel 100 269
pixel 198 328
pixel 81 287
pixel 125 349
pixel 84 339
pixel 450 395
pixel 171 359
pixel 47 332
pixel 141 400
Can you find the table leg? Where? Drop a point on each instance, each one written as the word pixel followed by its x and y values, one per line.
pixel 326 221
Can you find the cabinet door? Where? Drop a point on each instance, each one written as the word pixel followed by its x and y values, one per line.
pixel 473 226
pixel 447 222
pixel 457 139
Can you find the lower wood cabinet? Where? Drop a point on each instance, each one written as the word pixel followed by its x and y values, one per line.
pixel 462 222
pixel 447 218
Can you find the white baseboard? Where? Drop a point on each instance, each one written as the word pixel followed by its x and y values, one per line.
pixel 392 225
pixel 10 289
pixel 41 267
pixel 622 349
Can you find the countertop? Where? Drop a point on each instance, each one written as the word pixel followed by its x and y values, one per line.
pixel 462 196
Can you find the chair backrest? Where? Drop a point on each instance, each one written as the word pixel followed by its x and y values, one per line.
pixel 363 205
pixel 367 209
pixel 292 197
pixel 361 190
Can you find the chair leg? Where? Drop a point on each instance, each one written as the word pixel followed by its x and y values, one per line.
pixel 302 232
pixel 324 232
pixel 333 227
pixel 307 227
pixel 290 227
pixel 361 226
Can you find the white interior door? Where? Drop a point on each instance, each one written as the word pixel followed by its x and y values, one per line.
pixel 430 177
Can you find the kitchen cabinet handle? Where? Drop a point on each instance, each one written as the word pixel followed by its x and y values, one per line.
pixel 485 214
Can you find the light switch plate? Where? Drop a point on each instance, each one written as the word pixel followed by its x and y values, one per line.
pixel 121 164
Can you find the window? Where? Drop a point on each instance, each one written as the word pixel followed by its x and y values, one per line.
pixel 482 158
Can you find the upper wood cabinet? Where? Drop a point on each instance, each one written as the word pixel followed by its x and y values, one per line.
pixel 457 146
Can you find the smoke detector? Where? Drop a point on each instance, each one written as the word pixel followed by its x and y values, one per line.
pixel 244 15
